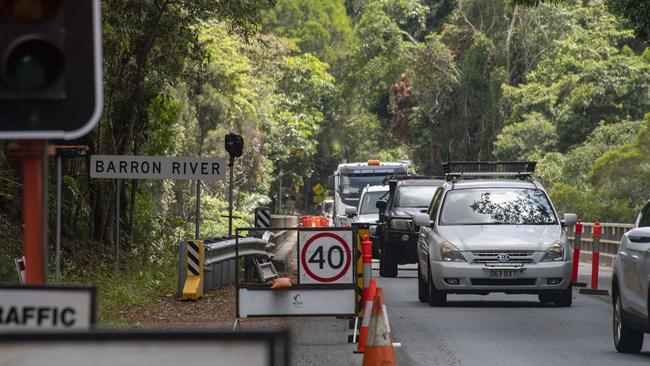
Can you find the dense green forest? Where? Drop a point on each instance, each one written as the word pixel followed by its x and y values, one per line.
pixel 313 83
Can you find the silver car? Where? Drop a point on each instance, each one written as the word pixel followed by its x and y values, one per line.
pixel 630 294
pixel 493 235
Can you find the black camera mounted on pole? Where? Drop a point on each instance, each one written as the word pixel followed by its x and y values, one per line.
pixel 235 148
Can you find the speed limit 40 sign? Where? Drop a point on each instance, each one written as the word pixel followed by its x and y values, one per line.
pixel 325 257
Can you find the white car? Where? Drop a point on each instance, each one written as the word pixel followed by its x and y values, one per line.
pixel 630 295
pixel 367 211
pixel 493 235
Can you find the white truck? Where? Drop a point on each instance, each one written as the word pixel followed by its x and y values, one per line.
pixel 349 179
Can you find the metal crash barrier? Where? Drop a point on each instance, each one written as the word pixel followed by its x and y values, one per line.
pixel 216 265
pixel 324 284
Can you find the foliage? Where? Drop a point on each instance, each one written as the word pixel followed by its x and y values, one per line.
pixel 522 140
pixel 637 13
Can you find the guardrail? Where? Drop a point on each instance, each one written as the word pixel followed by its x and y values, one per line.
pixel 219 266
pixel 611 235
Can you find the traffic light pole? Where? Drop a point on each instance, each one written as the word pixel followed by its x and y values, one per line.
pixel 33 157
pixel 231 165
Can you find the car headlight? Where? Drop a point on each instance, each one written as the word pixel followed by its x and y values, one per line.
pixel 400 224
pixel 554 253
pixel 449 253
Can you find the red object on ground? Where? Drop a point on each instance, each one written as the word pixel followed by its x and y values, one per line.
pixel 576 252
pixel 595 259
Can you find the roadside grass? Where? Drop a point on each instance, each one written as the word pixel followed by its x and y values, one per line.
pixel 137 286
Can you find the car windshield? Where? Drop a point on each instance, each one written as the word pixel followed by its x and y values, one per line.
pixel 368 203
pixel 494 206
pixel 415 196
pixel 353 184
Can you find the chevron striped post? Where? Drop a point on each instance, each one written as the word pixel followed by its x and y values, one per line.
pixel 263 217
pixel 193 289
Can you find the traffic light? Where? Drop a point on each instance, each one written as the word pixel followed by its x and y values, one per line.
pixel 234 145
pixel 50 68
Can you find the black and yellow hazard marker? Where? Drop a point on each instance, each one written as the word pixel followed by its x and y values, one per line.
pixel 193 288
pixel 361 232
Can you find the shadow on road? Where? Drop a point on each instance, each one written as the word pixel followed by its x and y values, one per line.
pixel 497 304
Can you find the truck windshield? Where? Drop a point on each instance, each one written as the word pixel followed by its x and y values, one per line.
pixel 353 184
pixel 367 205
pixel 415 196
pixel 497 206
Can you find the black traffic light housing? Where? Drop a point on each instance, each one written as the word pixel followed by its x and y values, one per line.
pixel 234 145
pixel 50 68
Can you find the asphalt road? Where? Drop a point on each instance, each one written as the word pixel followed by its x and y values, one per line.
pixel 500 329
pixel 496 329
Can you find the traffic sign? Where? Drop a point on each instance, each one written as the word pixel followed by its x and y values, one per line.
pixel 318 189
pixel 325 257
pixel 156 167
pixel 136 347
pixel 43 308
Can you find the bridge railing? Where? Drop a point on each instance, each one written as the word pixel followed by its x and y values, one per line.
pixel 610 239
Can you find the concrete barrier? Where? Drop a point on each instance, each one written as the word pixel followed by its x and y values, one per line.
pixel 285 241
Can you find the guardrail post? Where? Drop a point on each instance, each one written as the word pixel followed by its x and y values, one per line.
pixel 577 242
pixel 182 266
pixel 595 262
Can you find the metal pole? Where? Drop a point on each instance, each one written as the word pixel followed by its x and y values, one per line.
pixel 58 219
pixel 44 212
pixel 117 226
pixel 280 193
pixel 230 196
pixel 197 232
pixel 32 206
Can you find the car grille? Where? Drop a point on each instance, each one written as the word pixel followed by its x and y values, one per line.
pixel 491 256
pixel 510 282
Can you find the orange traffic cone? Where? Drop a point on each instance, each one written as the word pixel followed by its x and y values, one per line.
pixel 367 315
pixel 379 346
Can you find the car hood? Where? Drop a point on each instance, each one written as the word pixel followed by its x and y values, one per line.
pixel 501 237
pixel 406 211
pixel 367 219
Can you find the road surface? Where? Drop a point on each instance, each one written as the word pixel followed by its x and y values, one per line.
pixel 496 329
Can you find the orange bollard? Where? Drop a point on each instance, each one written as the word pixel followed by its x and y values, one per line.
pixel 379 347
pixel 576 256
pixel 595 262
pixel 367 314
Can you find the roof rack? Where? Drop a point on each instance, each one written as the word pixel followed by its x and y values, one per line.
pixel 455 170
pixel 399 177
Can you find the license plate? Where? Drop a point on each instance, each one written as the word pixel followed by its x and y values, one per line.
pixel 503 273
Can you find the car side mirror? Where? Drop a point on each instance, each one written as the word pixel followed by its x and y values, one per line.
pixel 422 219
pixel 350 211
pixel 381 204
pixel 570 219
pixel 639 235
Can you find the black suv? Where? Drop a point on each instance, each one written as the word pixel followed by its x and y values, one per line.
pixel 397 233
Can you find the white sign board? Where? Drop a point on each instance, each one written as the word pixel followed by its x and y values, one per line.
pixel 137 348
pixel 296 302
pixel 46 309
pixel 156 167
pixel 325 257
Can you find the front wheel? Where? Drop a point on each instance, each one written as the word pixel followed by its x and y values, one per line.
pixel 435 297
pixel 388 265
pixel 626 339
pixel 423 291
pixel 564 299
